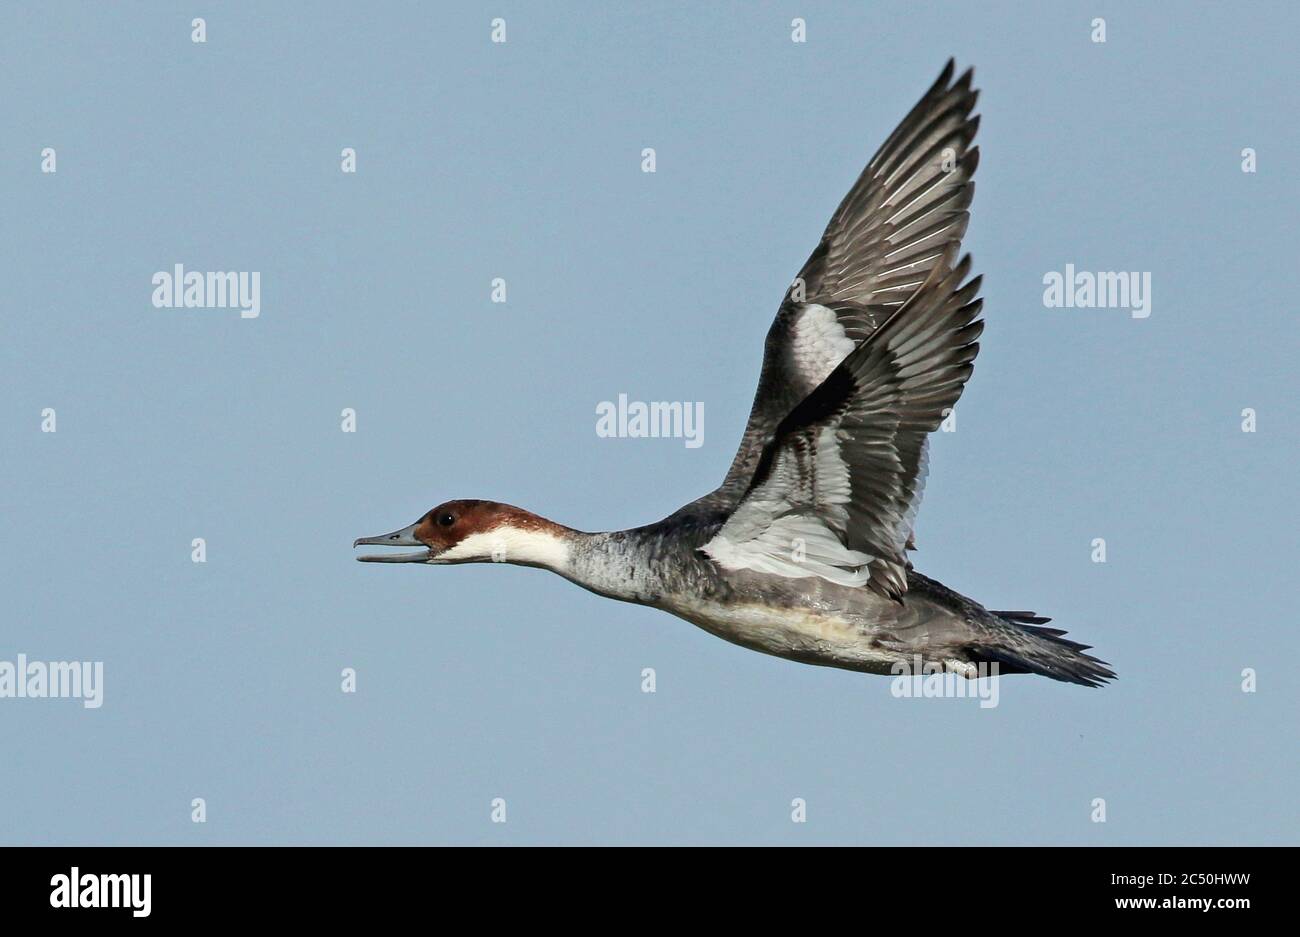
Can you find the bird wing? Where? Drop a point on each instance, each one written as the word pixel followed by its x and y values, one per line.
pixel 835 491
pixel 887 236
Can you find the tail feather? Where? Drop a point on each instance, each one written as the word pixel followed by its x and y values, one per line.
pixel 1027 648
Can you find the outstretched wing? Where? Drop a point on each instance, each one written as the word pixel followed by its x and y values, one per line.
pixel 835 491
pixel 885 238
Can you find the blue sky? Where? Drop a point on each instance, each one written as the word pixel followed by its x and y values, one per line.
pixel 522 161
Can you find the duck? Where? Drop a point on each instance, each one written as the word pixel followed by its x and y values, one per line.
pixel 803 550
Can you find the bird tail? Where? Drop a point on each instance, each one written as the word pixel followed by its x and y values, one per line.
pixel 1017 643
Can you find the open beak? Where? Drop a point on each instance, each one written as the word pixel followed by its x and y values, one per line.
pixel 398 538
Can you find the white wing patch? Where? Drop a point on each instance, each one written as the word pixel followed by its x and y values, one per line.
pixel 818 343
pixel 794 547
pixel 768 535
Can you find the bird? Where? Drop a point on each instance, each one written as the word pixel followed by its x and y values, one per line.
pixel 803 550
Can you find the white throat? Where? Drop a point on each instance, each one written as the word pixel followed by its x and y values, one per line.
pixel 518 545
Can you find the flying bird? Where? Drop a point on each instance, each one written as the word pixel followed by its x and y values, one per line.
pixel 802 551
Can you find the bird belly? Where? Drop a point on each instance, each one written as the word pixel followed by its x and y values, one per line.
pixel 809 635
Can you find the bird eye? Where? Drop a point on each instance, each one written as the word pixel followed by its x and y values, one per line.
pixel 446 520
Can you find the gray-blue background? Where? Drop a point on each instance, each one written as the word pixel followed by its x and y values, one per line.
pixel 523 161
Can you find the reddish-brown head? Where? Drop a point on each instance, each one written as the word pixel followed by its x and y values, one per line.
pixel 469 531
